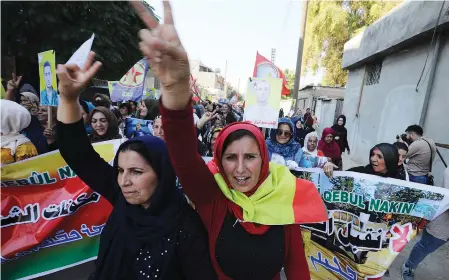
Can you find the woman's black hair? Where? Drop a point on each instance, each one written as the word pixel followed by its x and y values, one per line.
pixel 137 147
pixel 415 128
pixel 400 146
pixel 153 108
pixel 127 105
pixel 104 101
pixel 236 135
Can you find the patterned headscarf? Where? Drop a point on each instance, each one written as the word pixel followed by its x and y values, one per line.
pixel 287 150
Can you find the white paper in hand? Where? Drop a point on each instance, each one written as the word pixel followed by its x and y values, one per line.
pixel 81 54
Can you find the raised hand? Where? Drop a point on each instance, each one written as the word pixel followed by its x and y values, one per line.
pixel 72 79
pixel 14 83
pixel 328 169
pixel 209 115
pixel 166 55
pixel 206 118
pixel 48 133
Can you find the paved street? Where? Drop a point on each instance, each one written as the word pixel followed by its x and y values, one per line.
pixel 435 267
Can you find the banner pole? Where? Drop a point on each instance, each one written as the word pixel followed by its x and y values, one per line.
pixel 50 117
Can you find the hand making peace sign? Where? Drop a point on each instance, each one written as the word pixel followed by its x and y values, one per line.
pixel 13 83
pixel 166 55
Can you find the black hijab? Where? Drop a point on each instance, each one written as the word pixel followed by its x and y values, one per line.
pixel 131 229
pixel 301 133
pixel 340 128
pixel 391 157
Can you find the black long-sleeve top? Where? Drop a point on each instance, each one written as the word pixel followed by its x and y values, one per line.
pixel 191 259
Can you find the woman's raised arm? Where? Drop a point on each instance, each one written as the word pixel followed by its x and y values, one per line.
pixel 74 144
pixel 169 62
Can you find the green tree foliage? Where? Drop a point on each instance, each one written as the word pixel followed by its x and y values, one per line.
pixel 290 77
pixel 32 27
pixel 330 24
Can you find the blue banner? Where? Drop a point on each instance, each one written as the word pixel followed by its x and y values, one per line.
pixel 131 85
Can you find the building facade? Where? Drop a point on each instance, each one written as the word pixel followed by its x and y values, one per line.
pixel 399 76
pixel 327 102
pixel 211 83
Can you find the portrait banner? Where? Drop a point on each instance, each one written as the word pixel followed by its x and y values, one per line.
pixel 47 79
pixel 371 220
pixel 264 68
pixel 138 127
pixel 50 219
pixel 262 101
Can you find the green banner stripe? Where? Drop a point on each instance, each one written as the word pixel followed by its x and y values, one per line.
pixel 50 260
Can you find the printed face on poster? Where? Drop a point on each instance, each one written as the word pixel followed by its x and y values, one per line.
pixel 137 127
pixel 262 101
pixel 47 74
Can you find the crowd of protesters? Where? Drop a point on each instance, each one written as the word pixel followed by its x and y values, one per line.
pixel 137 235
pixel 27 131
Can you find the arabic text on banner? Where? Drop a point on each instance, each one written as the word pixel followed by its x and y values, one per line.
pixel 50 219
pixel 371 219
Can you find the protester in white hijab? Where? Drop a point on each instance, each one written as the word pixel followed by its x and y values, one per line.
pixel 307 145
pixel 14 118
pixel 312 157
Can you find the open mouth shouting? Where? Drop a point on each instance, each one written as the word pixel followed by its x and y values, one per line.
pixel 241 180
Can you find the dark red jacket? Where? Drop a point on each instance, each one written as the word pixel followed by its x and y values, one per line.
pixel 200 186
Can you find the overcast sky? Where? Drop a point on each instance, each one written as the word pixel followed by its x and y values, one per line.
pixel 214 31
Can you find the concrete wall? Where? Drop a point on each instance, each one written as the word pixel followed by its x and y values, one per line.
pixel 388 107
pixel 403 23
pixel 307 96
pixel 436 124
pixel 325 112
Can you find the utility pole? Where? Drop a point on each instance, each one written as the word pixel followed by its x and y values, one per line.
pixel 238 89
pixel 302 31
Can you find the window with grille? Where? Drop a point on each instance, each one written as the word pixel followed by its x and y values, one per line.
pixel 373 74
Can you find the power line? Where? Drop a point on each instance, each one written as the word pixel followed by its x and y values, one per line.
pixel 428 50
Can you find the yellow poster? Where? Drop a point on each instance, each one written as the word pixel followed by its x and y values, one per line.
pixel 111 85
pixel 47 74
pixel 3 90
pixel 262 101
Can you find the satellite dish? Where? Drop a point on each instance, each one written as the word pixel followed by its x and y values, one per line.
pixel 217 70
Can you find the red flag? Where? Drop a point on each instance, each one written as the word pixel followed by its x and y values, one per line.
pixel 194 89
pixel 264 68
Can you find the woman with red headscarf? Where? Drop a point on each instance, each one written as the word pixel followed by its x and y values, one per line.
pixel 329 146
pixel 251 208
